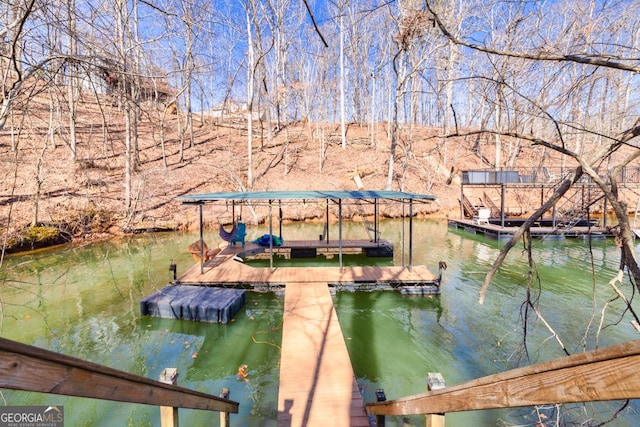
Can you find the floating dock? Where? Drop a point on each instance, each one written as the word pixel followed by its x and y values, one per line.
pixel 313 248
pixel 540 230
pixel 213 291
pixel 226 269
pixel 196 303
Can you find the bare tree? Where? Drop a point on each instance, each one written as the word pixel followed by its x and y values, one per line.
pixel 412 25
pixel 614 149
pixel 14 73
pixel 251 13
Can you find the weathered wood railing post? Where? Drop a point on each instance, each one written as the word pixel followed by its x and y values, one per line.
pixel 435 381
pixel 380 397
pixel 169 414
pixel 224 416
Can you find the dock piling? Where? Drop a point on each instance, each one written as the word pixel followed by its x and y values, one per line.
pixel 380 397
pixel 225 416
pixel 169 414
pixel 435 381
pixel 174 269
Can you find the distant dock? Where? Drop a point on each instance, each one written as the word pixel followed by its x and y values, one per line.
pixel 540 230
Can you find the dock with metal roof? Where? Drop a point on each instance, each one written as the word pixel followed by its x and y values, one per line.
pixel 317 383
pixel 337 198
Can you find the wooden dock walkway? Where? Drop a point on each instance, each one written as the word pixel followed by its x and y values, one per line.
pixel 317 383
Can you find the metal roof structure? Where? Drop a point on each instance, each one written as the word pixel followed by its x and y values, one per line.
pixel 336 196
pixel 305 195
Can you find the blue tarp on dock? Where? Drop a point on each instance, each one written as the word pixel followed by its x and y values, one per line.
pixel 197 303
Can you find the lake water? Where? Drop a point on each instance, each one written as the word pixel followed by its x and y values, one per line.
pixel 84 301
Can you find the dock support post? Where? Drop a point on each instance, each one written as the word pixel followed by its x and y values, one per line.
pixel 375 221
pixel 224 416
pixel 169 414
pixel 380 397
pixel 462 200
pixel 326 221
pixel 410 233
pixel 201 241
pixel 502 199
pixel 340 232
pixel 435 381
pixel 271 236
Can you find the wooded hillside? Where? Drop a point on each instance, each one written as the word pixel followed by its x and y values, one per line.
pixel 111 109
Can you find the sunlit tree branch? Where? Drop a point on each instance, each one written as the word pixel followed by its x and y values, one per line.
pixel 599 60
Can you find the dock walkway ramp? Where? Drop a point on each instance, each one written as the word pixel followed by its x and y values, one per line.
pixel 317 383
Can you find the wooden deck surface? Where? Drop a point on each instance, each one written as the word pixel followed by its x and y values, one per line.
pixel 334 243
pixel 222 269
pixel 317 383
pixel 499 232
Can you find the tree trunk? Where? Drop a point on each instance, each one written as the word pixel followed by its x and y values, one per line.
pixel 250 94
pixel 343 130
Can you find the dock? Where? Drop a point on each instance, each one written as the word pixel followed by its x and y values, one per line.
pixel 317 383
pixel 226 270
pixel 538 231
pixel 313 248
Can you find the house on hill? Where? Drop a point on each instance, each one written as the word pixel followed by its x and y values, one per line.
pixel 108 77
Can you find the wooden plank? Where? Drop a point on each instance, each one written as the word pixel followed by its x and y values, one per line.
pixel 29 368
pixel 317 383
pixel 611 373
pixel 224 270
pixel 346 243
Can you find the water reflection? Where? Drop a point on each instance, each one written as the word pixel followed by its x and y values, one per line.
pixel 84 301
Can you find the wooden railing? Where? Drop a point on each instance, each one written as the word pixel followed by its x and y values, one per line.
pixel 611 373
pixel 28 368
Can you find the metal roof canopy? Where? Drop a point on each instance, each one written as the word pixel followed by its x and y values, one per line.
pixel 304 195
pixel 336 196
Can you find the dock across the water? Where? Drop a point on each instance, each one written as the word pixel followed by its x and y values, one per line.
pixel 540 230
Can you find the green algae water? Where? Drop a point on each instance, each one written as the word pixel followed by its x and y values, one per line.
pixel 84 301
